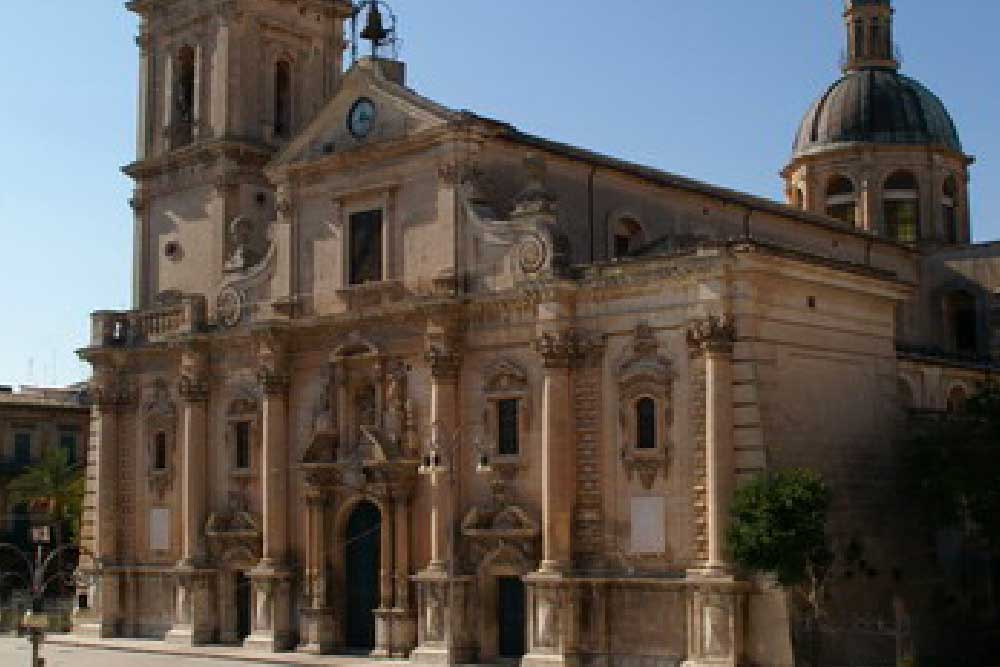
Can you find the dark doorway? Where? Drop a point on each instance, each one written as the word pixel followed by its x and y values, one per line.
pixel 362 574
pixel 244 606
pixel 510 617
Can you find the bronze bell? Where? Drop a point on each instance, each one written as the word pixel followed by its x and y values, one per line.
pixel 374 32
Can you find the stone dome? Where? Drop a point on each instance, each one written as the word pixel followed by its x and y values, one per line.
pixel 876 106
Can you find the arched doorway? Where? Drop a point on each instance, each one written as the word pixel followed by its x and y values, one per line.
pixel 510 618
pixel 362 562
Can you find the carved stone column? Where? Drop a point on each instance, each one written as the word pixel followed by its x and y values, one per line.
pixel 444 625
pixel 274 467
pixel 271 578
pixel 102 617
pixel 713 339
pixel 404 628
pixel 384 614
pixel 445 366
pixel 316 627
pixel 195 622
pixel 558 351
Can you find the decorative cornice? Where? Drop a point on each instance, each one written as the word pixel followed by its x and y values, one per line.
pixel 716 333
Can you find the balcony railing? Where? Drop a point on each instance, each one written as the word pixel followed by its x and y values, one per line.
pixel 153 325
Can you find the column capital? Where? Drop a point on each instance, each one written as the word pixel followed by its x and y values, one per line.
pixel 713 334
pixel 564 349
pixel 271 383
pixel 193 388
pixel 445 361
pixel 111 390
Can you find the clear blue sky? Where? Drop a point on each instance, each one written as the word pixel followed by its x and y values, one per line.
pixel 713 90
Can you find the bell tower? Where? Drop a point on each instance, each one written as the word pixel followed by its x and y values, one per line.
pixel 869 35
pixel 223 85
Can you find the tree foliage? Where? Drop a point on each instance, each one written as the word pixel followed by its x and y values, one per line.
pixel 778 526
pixel 57 485
pixel 951 467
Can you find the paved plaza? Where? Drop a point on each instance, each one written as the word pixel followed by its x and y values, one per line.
pixel 60 651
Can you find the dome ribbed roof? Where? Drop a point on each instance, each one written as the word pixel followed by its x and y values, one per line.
pixel 876 106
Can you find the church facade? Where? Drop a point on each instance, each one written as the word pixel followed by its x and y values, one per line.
pixel 407 380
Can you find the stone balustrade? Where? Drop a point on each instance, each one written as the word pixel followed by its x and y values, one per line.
pixel 151 325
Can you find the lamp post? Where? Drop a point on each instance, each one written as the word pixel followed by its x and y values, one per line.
pixel 439 465
pixel 36 621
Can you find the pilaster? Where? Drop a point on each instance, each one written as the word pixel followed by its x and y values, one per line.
pixel 712 341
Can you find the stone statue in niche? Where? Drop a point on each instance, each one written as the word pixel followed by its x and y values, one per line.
pixel 244 249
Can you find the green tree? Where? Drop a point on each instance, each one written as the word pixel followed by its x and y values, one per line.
pixel 951 466
pixel 779 527
pixel 57 485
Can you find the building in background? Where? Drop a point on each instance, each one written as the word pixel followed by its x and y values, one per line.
pixel 34 420
pixel 407 380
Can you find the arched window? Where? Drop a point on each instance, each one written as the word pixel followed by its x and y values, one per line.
pixel 184 93
pixel 901 207
pixel 627 237
pixel 961 320
pixel 949 211
pixel 645 421
pixel 841 200
pixel 160 451
pixel 282 99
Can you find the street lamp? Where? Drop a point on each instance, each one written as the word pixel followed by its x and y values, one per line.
pixel 438 463
pixel 35 621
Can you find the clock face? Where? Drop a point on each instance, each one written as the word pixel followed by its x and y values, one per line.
pixel 361 120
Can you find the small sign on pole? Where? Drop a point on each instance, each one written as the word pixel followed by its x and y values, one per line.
pixel 41 534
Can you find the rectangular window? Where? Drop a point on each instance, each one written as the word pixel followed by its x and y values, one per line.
pixel 67 443
pixel 22 448
pixel 243 445
pixel 645 417
pixel 365 246
pixel 160 453
pixel 901 216
pixel 507 422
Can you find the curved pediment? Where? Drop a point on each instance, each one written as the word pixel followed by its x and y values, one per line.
pixel 511 521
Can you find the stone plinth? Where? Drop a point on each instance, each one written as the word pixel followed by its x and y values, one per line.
pixel 446 620
pixel 272 631
pixel 316 631
pixel 195 622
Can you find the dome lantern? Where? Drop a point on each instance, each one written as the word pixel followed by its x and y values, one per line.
pixel 869 35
